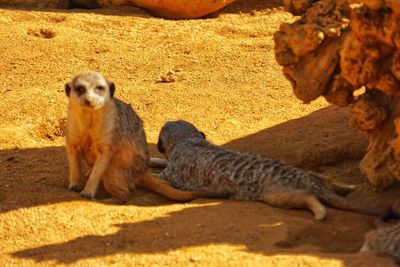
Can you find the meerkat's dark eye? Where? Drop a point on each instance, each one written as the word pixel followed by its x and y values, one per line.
pixel 80 89
pixel 100 88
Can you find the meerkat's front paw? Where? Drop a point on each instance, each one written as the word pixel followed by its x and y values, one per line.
pixel 74 188
pixel 87 195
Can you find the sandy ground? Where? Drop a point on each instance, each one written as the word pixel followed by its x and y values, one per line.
pixel 222 77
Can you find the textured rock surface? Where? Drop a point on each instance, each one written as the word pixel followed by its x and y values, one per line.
pixel 338 47
pixel 309 51
pixel 298 7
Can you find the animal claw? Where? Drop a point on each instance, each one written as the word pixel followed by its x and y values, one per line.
pixel 86 195
pixel 74 188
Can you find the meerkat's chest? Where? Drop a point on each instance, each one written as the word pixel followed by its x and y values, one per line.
pixel 89 150
pixel 89 139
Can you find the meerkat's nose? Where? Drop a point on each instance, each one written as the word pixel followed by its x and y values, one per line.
pixel 87 102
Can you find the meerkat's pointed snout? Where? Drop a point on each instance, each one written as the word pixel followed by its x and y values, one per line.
pixel 87 102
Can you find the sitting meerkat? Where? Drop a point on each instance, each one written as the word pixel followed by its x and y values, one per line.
pixel 107 135
pixel 385 241
pixel 196 164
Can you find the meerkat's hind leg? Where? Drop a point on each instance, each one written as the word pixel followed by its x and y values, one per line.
pixel 116 183
pixel 157 163
pixel 296 199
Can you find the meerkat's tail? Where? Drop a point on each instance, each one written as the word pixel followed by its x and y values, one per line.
pixel 331 199
pixel 157 185
pixel 389 214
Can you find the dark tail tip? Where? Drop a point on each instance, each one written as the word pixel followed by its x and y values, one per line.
pixel 389 214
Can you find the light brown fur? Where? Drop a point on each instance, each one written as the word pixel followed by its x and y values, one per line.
pixel 107 135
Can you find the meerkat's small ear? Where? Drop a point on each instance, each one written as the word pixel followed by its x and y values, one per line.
pixel 160 146
pixel 203 134
pixel 111 87
pixel 67 89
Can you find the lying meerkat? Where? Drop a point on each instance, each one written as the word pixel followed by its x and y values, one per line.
pixel 107 135
pixel 384 240
pixel 196 164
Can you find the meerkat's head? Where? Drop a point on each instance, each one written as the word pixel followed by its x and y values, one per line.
pixel 90 90
pixel 174 132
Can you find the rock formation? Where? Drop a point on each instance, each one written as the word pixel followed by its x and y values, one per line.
pixel 348 52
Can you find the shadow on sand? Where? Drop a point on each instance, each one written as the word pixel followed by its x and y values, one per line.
pixel 257 227
pixel 321 138
pixel 39 176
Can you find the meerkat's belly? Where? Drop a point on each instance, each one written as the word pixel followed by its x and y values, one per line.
pixel 89 152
